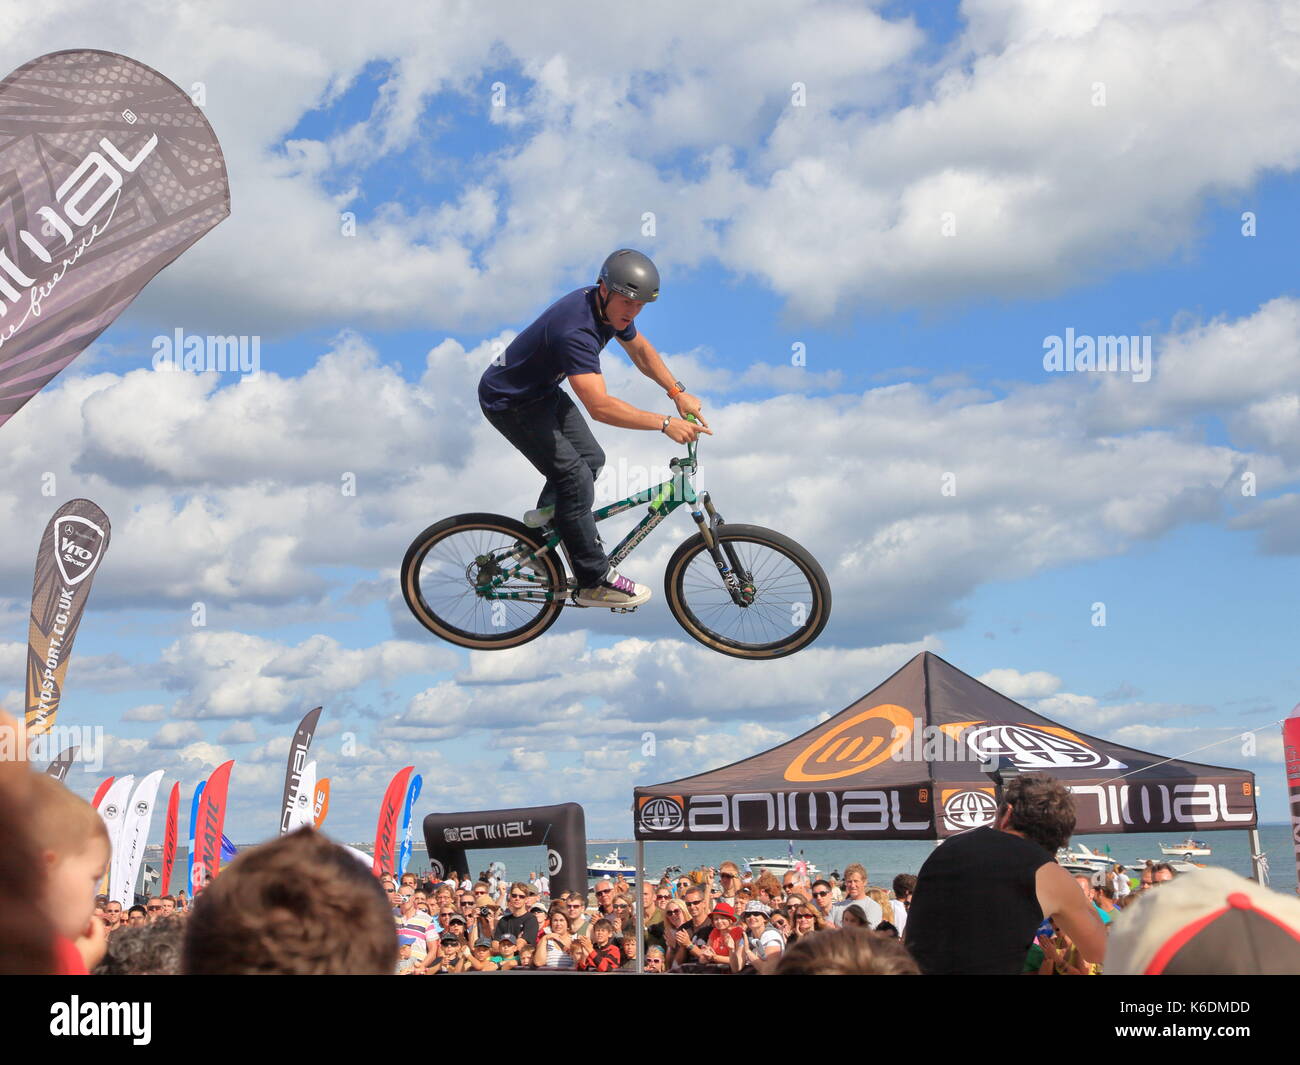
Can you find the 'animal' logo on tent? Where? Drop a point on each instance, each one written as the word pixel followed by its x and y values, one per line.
pixel 967 808
pixel 1031 746
pixel 854 746
pixel 662 814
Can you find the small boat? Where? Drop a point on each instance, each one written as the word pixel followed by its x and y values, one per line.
pixel 778 867
pixel 1187 850
pixel 1079 859
pixel 611 866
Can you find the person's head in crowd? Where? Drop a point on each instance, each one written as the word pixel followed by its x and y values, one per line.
pixel 112 914
pixel 390 892
pixel 575 908
pixel 623 910
pixel 604 896
pixel 481 890
pixel 482 949
pixel 443 896
pixel 780 920
pixel 517 898
pixel 1039 808
pixel 654 960
pixel 822 896
pixel 676 915
pixel 695 906
pixel 136 916
pixel 807 919
pixel 297 905
pixel 855 915
pixel 729 875
pixel 683 884
pixel 855 882
pixel 558 920
pixel 1162 874
pixel 845 952
pixel 457 926
pixel 404 948
pixel 757 915
pixel 602 931
pixel 904 885
pixel 451 944
pixel 406 899
pixel 768 889
pixel 26 932
pixel 144 950
pixel 74 851
pixel 724 916
pixel 886 928
pixel 650 896
pixel 153 907
pixel 168 905
pixel 1211 922
pixel 881 898
pixel 408 878
pixel 509 947
pixel 1085 885
pixel 628 946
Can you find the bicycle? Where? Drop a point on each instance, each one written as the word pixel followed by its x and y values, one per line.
pixel 487 582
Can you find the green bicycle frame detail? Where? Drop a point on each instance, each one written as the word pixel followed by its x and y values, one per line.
pixel 662 499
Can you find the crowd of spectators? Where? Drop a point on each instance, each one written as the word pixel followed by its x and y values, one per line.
pixel 301 904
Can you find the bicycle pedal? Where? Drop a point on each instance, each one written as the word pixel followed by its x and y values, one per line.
pixel 621 609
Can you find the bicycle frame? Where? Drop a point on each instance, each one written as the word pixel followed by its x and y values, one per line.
pixel 662 500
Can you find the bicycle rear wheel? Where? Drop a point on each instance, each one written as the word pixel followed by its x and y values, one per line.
pixel 790 597
pixel 444 565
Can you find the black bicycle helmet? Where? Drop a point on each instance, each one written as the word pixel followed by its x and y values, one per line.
pixel 631 274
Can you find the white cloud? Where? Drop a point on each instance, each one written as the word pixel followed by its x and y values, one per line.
pixel 1016 685
pixel 1043 184
pixel 147 712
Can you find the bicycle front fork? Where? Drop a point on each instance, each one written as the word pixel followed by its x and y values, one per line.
pixel 738 580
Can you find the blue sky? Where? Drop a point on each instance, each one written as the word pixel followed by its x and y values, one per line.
pixel 774 225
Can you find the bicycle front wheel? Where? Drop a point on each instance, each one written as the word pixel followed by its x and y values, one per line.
pixel 788 595
pixel 450 560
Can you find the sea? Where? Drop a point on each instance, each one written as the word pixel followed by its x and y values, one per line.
pixel 883 859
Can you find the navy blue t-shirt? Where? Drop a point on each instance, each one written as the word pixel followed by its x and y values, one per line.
pixel 566 339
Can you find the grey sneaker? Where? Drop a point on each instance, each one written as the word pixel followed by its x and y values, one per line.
pixel 613 591
pixel 535 519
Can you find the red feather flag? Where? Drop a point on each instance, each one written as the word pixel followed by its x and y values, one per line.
pixel 207 831
pixel 169 837
pixel 386 830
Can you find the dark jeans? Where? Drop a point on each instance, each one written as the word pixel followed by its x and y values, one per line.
pixel 553 435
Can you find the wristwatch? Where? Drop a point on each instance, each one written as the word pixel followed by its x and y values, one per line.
pixel 677 387
pixel 664 428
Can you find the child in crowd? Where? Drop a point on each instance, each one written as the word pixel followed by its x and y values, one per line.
pixel 405 963
pixel 74 849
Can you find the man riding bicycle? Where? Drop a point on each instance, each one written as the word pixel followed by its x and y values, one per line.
pixel 520 395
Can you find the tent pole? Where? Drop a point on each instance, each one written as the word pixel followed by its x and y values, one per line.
pixel 1252 834
pixel 640 905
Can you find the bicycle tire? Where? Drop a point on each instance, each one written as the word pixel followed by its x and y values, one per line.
pixel 430 617
pixel 679 566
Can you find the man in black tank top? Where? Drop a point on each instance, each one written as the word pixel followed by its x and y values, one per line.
pixel 980 896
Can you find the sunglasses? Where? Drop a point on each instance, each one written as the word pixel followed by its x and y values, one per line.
pixel 696 902
pixel 820 894
pixel 607 891
pixel 153 909
pixel 727 876
pixel 621 906
pixel 516 895
pixel 658 897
